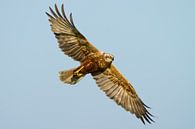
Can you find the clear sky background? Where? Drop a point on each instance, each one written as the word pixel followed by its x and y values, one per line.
pixel 154 46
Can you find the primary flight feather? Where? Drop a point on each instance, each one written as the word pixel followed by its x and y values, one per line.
pixel 94 62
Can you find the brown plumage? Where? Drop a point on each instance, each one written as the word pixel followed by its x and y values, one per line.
pixel 96 63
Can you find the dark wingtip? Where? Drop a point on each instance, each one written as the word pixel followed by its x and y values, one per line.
pixel 62 5
pixel 142 120
pixel 55 5
pixel 50 9
pixel 57 11
pixel 144 104
pixel 53 13
pixel 71 19
pixel 63 12
pixel 48 14
pixel 147 117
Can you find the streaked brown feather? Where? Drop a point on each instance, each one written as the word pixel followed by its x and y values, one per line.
pixel 106 87
pixel 122 92
pixel 114 92
pixel 70 40
pixel 111 90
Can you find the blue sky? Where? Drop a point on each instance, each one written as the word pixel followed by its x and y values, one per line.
pixel 154 47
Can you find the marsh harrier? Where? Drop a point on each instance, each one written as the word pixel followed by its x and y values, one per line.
pixel 94 62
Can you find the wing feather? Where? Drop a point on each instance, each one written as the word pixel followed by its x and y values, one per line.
pixel 70 40
pixel 111 90
pixel 122 92
pixel 114 92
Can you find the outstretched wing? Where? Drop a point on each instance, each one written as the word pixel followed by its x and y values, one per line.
pixel 112 82
pixel 70 40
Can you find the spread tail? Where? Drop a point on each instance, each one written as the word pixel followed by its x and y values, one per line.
pixel 69 76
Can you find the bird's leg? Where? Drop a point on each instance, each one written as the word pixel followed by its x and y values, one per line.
pixel 77 73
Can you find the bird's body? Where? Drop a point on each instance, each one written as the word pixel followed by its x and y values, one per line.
pixel 94 62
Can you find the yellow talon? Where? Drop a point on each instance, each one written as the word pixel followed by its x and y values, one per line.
pixel 77 74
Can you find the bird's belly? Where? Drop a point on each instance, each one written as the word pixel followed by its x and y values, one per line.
pixel 90 67
pixel 95 63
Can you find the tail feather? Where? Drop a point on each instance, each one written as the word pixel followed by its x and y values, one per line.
pixel 67 76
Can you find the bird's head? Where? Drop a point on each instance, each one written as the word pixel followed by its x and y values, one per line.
pixel 108 57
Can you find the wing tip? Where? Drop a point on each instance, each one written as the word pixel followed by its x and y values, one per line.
pixel 147 116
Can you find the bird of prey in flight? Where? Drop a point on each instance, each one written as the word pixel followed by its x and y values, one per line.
pixel 94 62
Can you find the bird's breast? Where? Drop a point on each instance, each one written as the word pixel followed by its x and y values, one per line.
pixel 95 63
